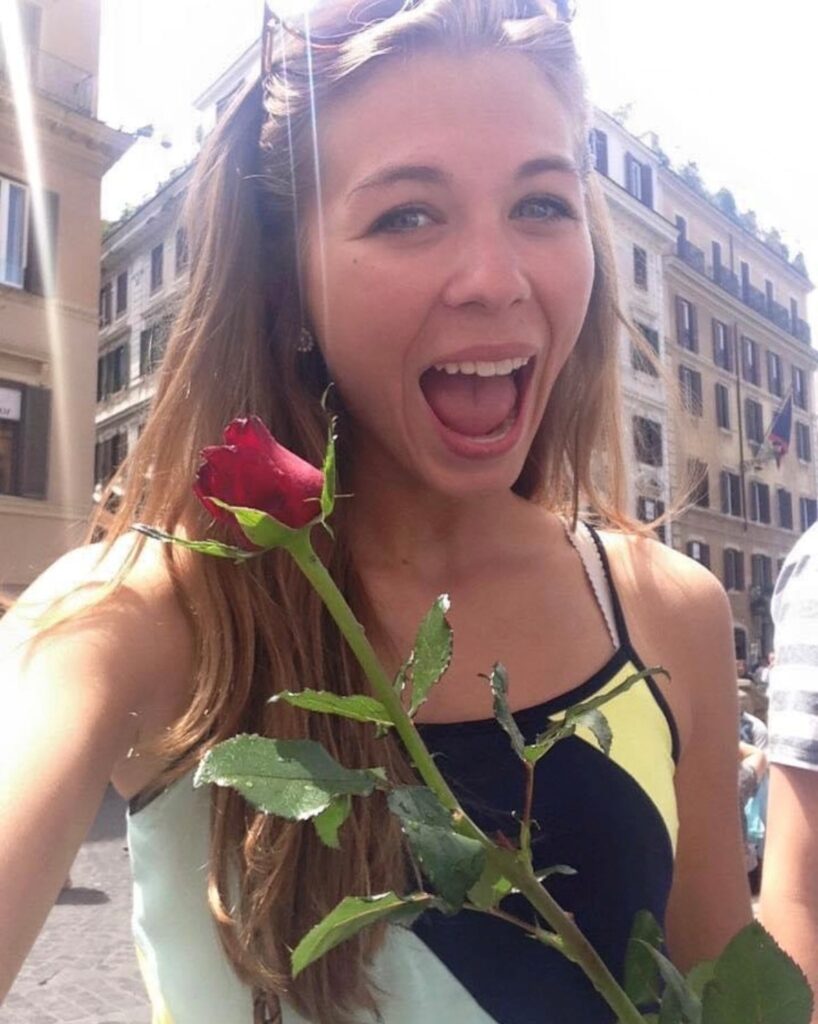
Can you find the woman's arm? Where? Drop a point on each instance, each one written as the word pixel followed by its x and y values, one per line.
pixel 710 899
pixel 679 617
pixel 72 704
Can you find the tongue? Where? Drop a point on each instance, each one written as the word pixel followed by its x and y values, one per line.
pixel 468 404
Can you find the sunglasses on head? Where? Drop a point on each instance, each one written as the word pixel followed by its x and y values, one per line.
pixel 308 28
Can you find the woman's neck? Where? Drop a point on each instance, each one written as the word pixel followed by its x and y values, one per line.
pixel 395 524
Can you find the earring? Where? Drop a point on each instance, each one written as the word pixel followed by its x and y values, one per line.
pixel 306 341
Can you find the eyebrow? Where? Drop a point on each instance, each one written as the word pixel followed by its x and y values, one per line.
pixel 429 175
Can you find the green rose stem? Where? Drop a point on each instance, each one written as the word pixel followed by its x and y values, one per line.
pixel 568 938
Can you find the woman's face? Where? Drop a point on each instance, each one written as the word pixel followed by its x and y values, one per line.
pixel 448 263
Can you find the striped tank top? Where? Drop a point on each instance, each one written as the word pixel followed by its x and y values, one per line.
pixel 613 819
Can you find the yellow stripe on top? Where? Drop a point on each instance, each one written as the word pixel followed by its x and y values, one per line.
pixel 642 743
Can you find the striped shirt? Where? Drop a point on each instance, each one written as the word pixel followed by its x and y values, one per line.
pixel 793 713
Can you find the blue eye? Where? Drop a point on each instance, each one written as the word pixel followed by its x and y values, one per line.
pixel 402 221
pixel 543 208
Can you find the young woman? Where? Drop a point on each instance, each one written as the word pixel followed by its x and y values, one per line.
pixel 403 206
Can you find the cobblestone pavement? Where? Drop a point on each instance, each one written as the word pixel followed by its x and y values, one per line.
pixel 83 968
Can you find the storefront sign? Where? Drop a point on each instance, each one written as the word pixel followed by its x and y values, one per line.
pixel 10 401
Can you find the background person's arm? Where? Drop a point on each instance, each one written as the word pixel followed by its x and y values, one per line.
pixel 789 888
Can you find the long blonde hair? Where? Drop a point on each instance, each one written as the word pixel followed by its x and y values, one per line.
pixel 233 351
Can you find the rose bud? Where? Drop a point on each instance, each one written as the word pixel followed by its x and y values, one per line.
pixel 252 470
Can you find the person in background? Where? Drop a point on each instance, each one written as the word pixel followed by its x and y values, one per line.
pixel 789 891
pixel 753 781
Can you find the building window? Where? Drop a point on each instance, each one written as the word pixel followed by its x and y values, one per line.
pixel 112 372
pixel 775 374
pixel 799 387
pixel 647 440
pixel 639 180
pixel 759 502
pixel 733 569
pixel 802 442
pixel 699 552
pixel 642 361
pixel 722 349
pixel 690 386
pixel 699 483
pixel 599 150
pixel 25 419
pixel 182 253
pixel 750 370
pixel 157 268
pixel 686 328
pixel 121 293
pixel 105 304
pixel 722 406
pixel 109 456
pixel 740 643
pixel 808 507
pixel 730 485
pixel 784 509
pixel 754 421
pixel 13 232
pixel 648 510
pixel 761 572
pixel 152 342
pixel 640 267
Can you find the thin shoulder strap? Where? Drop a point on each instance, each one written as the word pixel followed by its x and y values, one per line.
pixel 619 615
pixel 592 555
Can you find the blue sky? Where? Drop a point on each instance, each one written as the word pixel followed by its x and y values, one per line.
pixel 731 84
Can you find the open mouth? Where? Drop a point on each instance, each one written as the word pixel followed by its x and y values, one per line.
pixel 481 400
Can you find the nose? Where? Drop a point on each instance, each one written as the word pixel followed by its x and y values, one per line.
pixel 487 273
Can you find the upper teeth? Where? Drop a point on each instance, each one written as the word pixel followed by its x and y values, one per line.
pixel 498 369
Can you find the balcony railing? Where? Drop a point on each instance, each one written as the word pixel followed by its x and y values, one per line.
pixel 753 297
pixel 726 279
pixel 691 255
pixel 58 79
pixel 779 315
pixel 801 330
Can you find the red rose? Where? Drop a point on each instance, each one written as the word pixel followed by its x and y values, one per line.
pixel 252 470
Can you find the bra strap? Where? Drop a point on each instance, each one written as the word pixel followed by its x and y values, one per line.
pixel 591 551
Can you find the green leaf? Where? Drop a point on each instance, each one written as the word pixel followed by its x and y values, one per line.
pixel 642 979
pixel 295 779
pixel 755 982
pixel 431 655
pixel 498 681
pixel 205 547
pixel 330 820
pixel 260 528
pixel 328 490
pixel 490 888
pixel 546 740
pixel 452 863
pixel 700 975
pixel 351 916
pixel 597 724
pixel 358 707
pixel 680 1004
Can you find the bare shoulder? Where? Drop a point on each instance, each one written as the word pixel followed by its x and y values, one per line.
pixel 679 617
pixel 668 581
pixel 134 638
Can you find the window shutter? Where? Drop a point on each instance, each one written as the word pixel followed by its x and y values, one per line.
pixel 34 280
pixel 694 329
pixel 728 569
pixel 680 320
pixel 647 185
pixel 34 443
pixel 725 507
pixel 705 549
pixel 602 152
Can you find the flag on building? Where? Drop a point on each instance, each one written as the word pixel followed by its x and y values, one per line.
pixel 781 430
